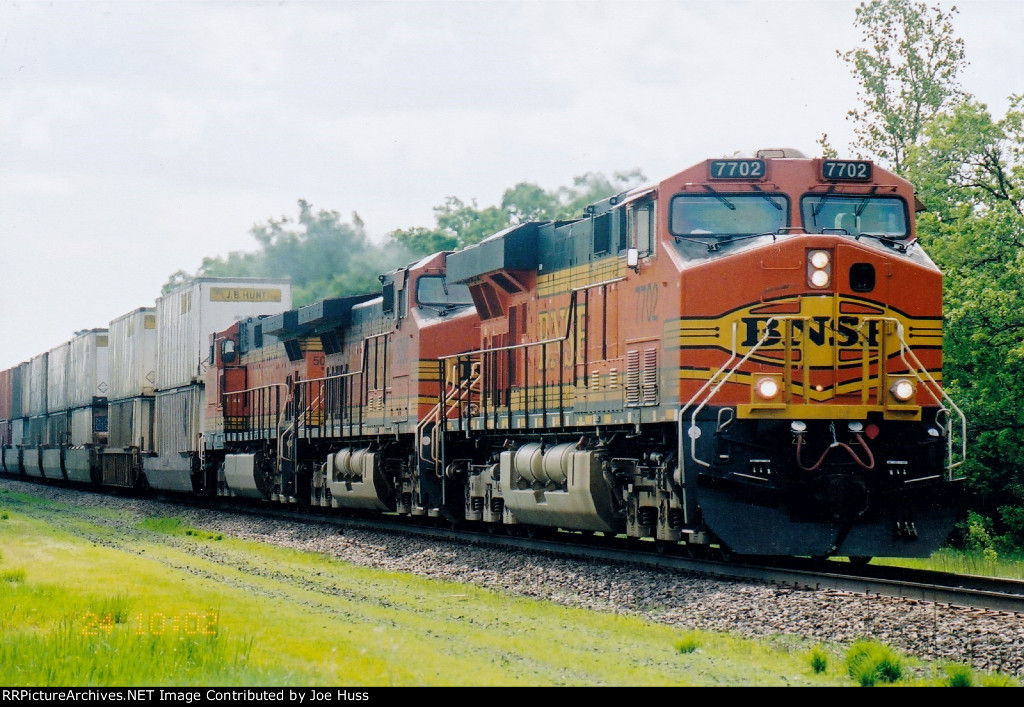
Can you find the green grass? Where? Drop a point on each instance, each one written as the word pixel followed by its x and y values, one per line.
pixel 81 604
pixel 1008 565
pixel 174 526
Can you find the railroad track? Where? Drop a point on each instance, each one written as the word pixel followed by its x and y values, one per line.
pixel 969 591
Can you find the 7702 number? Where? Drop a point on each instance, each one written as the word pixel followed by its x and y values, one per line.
pixel 737 169
pixel 838 169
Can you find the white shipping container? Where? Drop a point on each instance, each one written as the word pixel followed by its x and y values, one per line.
pixel 88 426
pixel 36 387
pixel 131 423
pixel 36 431
pixel 132 368
pixel 179 420
pixel 57 377
pixel 58 429
pixel 87 368
pixel 17 432
pixel 178 423
pixel 187 317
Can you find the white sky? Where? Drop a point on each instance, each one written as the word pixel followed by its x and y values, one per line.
pixel 138 137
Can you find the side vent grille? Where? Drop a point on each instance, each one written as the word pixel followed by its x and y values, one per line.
pixel 642 378
pixel 632 378
pixel 649 377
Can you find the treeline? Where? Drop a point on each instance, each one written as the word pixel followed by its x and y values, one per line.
pixel 325 256
pixel 968 168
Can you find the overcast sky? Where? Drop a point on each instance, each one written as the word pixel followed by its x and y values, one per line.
pixel 138 137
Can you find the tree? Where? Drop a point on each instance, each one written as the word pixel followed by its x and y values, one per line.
pixel 321 254
pixel 174 281
pixel 969 169
pixel 906 68
pixel 460 224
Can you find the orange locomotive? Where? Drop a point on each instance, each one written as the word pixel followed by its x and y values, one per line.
pixel 746 354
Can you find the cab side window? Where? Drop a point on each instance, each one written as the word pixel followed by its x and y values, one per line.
pixel 641 227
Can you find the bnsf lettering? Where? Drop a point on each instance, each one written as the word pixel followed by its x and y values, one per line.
pixel 552 326
pixel 841 332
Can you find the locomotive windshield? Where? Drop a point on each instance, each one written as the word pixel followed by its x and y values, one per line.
pixel 875 215
pixel 727 215
pixel 432 290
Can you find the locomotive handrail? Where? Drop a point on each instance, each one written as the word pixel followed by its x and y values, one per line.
pixel 907 355
pixel 693 419
pixel 278 404
pixel 570 327
pixel 281 407
pixel 363 356
pixel 917 368
pixel 449 399
pixel 553 340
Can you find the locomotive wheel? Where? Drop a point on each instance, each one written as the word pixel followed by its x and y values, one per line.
pixel 727 554
pixel 696 552
pixel 664 547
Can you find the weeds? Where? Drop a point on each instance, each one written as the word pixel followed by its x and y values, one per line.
pixel 173 526
pixel 819 659
pixel 689 643
pixel 959 676
pixel 869 662
pixel 16 576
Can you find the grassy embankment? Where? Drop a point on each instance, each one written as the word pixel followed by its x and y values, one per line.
pixel 82 604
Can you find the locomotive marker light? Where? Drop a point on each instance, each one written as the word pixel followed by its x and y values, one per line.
pixel 902 390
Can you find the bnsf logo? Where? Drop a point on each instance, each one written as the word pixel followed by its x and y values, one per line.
pixel 842 332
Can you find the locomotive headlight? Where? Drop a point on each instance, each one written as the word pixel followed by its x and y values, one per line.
pixel 819 268
pixel 819 259
pixel 767 388
pixel 902 390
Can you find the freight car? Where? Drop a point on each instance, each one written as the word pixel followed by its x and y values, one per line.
pixel 122 407
pixel 747 354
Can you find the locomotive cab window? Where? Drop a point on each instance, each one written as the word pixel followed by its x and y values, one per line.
pixel 875 215
pixel 434 290
pixel 724 215
pixel 642 228
pixel 227 351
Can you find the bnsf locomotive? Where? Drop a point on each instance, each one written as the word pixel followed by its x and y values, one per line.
pixel 747 355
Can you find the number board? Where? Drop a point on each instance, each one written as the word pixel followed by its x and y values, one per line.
pixel 737 169
pixel 845 171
